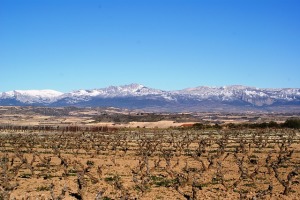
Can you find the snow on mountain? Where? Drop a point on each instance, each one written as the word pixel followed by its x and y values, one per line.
pixel 226 93
pixel 243 94
pixel 240 92
pixel 136 92
pixel 129 90
pixel 32 96
pixel 114 91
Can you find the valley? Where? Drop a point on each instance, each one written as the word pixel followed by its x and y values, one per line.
pixel 125 118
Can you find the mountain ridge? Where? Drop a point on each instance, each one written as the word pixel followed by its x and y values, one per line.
pixel 137 96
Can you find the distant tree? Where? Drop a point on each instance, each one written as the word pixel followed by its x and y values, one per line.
pixel 217 126
pixel 264 125
pixel 198 126
pixel 273 124
pixel 292 123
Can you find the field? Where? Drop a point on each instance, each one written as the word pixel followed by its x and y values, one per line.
pixel 175 163
pixel 119 118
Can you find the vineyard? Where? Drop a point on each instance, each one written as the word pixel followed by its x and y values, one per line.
pixel 150 164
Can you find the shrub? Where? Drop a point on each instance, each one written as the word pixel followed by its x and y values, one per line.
pixel 292 123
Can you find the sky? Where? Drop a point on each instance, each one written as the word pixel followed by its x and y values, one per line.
pixel 68 45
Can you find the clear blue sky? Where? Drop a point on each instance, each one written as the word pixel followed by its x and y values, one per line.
pixel 166 44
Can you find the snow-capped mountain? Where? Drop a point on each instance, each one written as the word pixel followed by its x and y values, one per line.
pixel 32 96
pixel 252 95
pixel 115 91
pixel 136 96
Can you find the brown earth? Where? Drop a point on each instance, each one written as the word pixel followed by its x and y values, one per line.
pixel 151 164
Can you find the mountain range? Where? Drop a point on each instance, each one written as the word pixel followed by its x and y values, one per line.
pixel 235 98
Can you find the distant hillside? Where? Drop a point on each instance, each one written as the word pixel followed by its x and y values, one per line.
pixel 234 98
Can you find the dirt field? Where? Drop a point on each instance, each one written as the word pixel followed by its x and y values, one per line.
pixel 151 164
pixel 71 116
